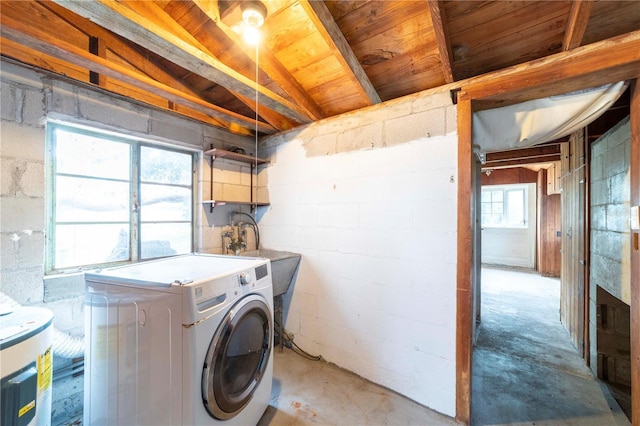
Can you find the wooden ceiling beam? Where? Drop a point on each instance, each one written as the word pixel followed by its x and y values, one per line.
pixel 608 61
pixel 150 35
pixel 22 33
pixel 64 70
pixel 577 24
pixel 325 24
pixel 269 64
pixel 520 162
pixel 120 47
pixel 439 22
pixel 540 154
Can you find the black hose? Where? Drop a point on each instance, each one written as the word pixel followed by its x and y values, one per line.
pixel 255 226
pixel 289 343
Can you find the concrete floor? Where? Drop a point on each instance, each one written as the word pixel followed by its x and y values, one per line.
pixel 526 371
pixel 318 393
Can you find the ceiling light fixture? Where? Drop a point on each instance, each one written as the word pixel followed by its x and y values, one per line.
pixel 253 13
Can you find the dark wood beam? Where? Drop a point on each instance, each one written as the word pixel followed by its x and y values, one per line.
pixel 577 23
pixel 593 65
pixel 329 30
pixel 154 37
pixel 464 277
pixel 520 161
pixel 439 22
pixel 541 154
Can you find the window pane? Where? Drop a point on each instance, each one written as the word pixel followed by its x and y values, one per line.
pixel 162 166
pixel 496 196
pixel 496 208
pixel 515 206
pixel 164 239
pixel 164 203
pixel 78 245
pixel 91 200
pixel 492 220
pixel 486 196
pixel 81 154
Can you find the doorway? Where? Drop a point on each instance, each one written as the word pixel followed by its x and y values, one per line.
pixel 525 368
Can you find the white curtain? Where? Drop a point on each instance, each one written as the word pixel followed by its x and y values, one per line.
pixel 542 120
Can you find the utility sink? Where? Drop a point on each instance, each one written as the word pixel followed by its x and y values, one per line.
pixel 283 267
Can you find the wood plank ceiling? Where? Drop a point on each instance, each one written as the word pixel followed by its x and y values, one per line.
pixel 315 59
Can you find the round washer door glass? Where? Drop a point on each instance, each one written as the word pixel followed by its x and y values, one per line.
pixel 237 357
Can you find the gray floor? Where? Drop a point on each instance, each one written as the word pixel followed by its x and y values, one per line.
pixel 526 371
pixel 318 393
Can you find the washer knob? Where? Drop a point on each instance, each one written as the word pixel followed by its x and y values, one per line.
pixel 245 278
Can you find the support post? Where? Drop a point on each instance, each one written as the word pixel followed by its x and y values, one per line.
pixel 464 286
pixel 634 172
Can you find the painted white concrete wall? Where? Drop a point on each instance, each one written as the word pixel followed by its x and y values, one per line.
pixel 513 246
pixel 369 200
pixel 27 100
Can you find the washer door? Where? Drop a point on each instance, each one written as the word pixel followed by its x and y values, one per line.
pixel 237 357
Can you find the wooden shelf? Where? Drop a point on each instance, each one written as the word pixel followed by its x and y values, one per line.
pixel 229 155
pixel 215 203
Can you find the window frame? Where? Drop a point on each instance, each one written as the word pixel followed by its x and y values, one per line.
pixel 505 205
pixel 135 146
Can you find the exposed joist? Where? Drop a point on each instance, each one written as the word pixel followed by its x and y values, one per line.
pixel 120 47
pixel 439 22
pixel 330 32
pixel 21 33
pixel 521 161
pixel 155 38
pixel 593 65
pixel 577 24
pixel 269 64
pixel 97 47
pixel 154 13
pixel 535 154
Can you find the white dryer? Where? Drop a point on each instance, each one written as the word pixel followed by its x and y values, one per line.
pixel 186 340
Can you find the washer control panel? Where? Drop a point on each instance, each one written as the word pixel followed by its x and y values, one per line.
pixel 246 278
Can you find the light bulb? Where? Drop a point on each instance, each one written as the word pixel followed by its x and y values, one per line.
pixel 251 35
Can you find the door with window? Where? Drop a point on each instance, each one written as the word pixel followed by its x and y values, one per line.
pixel 508 214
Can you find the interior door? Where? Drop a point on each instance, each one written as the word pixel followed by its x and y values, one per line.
pixel 573 295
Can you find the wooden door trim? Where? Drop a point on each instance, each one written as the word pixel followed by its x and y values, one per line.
pixel 634 172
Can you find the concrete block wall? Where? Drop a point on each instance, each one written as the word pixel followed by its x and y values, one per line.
pixel 369 200
pixel 28 100
pixel 610 221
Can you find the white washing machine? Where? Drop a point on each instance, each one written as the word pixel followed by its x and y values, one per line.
pixel 186 340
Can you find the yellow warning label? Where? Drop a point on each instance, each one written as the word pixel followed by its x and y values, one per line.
pixel 45 370
pixel 24 410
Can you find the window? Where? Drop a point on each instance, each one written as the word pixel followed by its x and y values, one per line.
pixel 504 206
pixel 115 200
